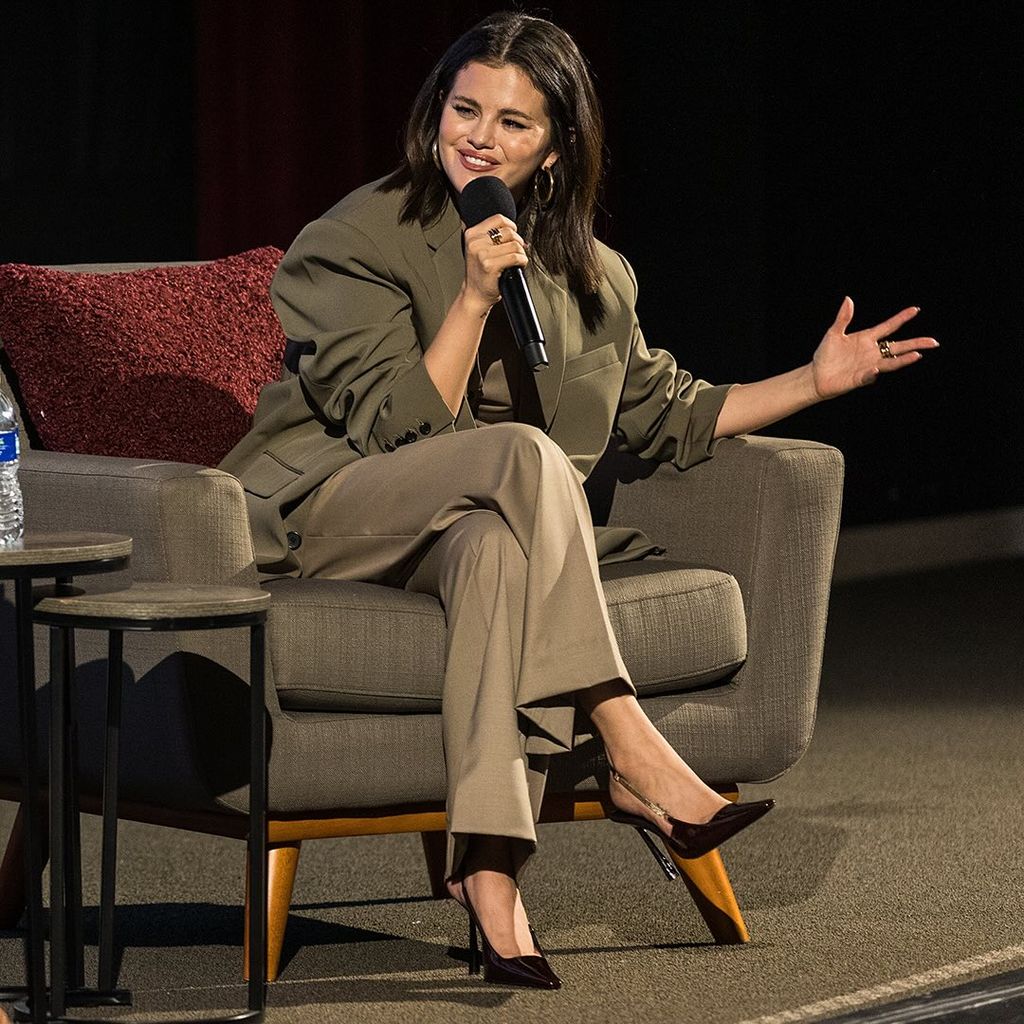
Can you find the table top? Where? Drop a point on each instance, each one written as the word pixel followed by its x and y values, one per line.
pixel 47 549
pixel 146 601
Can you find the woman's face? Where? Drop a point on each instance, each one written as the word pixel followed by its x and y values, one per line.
pixel 494 122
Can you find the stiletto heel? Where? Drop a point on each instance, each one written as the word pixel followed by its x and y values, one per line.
pixel 665 863
pixel 687 839
pixel 474 949
pixel 526 971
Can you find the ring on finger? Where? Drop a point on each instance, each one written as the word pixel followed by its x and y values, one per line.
pixel 495 236
pixel 883 347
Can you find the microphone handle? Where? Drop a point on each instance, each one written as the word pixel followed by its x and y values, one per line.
pixel 522 315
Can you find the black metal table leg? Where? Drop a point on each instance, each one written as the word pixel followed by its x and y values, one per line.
pixel 73 871
pixel 72 833
pixel 62 873
pixel 35 965
pixel 60 670
pixel 257 823
pixel 108 883
pixel 72 824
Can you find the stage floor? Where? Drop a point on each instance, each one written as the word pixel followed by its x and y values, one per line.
pixel 891 866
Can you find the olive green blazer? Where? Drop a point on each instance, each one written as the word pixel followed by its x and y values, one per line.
pixel 370 293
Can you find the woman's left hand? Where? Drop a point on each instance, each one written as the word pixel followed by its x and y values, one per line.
pixel 844 361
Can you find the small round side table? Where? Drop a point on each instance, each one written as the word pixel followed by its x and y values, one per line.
pixel 167 607
pixel 61 557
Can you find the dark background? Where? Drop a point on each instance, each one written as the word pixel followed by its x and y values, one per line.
pixel 765 159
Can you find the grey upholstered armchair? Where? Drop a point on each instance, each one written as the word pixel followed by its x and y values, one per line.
pixel 723 638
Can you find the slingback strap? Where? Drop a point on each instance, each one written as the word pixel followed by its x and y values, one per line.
pixel 630 788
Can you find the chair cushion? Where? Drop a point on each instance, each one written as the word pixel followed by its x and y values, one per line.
pixel 339 645
pixel 161 363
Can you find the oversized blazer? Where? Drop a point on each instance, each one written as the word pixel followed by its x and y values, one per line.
pixel 364 295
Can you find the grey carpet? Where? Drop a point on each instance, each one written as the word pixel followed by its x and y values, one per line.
pixel 894 852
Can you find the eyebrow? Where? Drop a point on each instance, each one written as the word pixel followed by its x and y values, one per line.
pixel 506 110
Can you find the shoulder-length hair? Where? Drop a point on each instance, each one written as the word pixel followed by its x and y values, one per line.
pixel 561 232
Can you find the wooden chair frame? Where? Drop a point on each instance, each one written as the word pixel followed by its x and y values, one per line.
pixel 706 877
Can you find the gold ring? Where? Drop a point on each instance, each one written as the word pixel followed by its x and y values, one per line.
pixel 495 236
pixel 883 347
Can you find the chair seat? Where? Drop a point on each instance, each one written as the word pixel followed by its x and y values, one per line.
pixel 338 645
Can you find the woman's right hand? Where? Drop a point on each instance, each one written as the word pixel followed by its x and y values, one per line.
pixel 485 260
pixel 449 357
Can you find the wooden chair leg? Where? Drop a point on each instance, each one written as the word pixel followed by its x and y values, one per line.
pixel 709 885
pixel 282 863
pixel 12 871
pixel 435 851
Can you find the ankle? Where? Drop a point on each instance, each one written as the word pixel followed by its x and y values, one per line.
pixel 649 785
pixel 591 699
pixel 635 762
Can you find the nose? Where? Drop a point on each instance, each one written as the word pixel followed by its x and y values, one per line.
pixel 482 136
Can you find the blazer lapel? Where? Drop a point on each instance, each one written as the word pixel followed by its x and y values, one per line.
pixel 444 237
pixel 552 303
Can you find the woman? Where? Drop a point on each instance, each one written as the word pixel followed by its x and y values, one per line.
pixel 388 299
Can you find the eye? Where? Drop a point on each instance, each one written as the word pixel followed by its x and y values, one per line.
pixel 462 110
pixel 509 123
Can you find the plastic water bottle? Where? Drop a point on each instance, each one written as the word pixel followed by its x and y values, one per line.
pixel 12 512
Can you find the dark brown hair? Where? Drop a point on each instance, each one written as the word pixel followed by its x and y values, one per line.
pixel 560 234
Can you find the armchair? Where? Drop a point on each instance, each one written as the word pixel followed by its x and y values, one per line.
pixel 723 638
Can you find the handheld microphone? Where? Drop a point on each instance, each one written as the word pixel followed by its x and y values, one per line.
pixel 483 197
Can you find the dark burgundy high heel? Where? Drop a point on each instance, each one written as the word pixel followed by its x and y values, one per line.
pixel 687 839
pixel 526 971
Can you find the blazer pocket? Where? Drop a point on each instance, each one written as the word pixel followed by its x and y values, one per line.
pixel 588 362
pixel 267 475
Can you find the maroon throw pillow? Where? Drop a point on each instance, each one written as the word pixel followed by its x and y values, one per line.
pixel 162 363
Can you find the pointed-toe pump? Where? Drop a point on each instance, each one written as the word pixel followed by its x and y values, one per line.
pixel 525 971
pixel 687 839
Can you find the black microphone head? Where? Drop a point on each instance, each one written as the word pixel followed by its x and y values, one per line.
pixel 483 197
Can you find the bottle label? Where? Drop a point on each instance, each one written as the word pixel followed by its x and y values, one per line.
pixel 8 446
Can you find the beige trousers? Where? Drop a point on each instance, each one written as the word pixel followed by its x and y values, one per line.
pixel 495 524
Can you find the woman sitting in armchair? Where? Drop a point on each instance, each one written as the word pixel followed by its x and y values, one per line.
pixel 413 447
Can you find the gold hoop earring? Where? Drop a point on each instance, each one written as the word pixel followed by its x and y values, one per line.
pixel 435 155
pixel 544 199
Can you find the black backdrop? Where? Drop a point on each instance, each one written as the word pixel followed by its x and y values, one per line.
pixel 765 160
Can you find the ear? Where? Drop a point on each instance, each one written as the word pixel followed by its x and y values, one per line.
pixel 550 160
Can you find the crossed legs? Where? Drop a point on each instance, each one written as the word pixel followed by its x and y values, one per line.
pixel 494 522
pixel 639 752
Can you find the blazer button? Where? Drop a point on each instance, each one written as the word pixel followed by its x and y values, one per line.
pixel 410 436
pixel 294 540
pixel 424 428
pixel 388 446
pixel 399 440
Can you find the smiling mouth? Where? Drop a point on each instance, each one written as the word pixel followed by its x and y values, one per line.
pixel 476 163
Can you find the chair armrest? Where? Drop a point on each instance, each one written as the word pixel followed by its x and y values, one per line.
pixel 185 722
pixel 188 524
pixel 767 511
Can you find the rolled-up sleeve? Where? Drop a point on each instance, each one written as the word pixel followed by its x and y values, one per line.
pixel 665 414
pixel 364 370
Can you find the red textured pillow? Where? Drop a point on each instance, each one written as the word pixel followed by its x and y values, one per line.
pixel 163 363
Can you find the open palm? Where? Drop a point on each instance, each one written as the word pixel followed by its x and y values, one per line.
pixel 844 361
